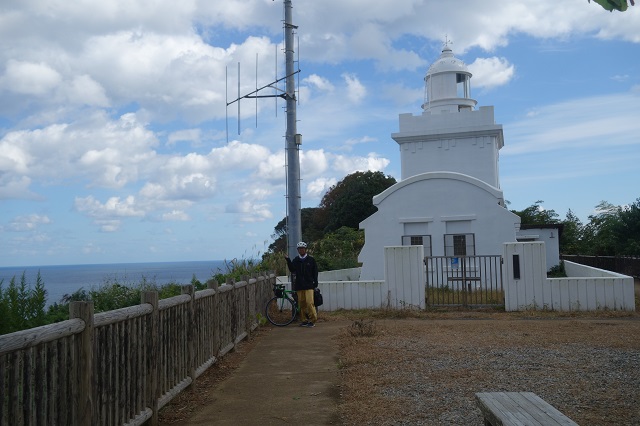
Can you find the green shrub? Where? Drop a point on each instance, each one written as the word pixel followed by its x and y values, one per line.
pixel 557 271
pixel 22 306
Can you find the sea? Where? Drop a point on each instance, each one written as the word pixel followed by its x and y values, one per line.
pixel 60 280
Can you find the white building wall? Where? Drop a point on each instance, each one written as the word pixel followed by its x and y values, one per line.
pixel 551 239
pixel 437 203
pixel 465 142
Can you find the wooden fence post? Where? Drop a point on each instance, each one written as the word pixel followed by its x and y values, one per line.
pixel 83 396
pixel 244 306
pixel 233 317
pixel 191 330
pixel 153 344
pixel 213 285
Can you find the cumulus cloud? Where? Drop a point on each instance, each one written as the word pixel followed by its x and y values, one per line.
pixel 175 215
pixel 107 153
pixel 185 135
pixel 348 165
pixel 92 248
pixel 29 78
pixel 249 211
pixel 181 187
pixel 16 187
pixel 84 90
pixel 318 187
pixel 14 157
pixel 313 162
pixel 108 216
pixel 319 83
pixel 114 206
pixel 621 78
pixel 272 168
pixel 491 72
pixel 28 223
pixel 238 154
pixel 350 143
pixel 356 91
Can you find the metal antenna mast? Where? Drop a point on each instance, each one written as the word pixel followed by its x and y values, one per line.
pixel 293 139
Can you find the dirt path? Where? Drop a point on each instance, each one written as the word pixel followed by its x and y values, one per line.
pixel 289 375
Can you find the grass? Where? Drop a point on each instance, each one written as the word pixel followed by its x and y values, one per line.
pixel 447 296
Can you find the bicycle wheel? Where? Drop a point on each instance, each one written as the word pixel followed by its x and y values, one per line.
pixel 280 311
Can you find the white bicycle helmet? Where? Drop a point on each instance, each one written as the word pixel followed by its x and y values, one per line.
pixel 302 244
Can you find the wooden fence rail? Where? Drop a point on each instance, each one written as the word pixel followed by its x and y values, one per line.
pixel 121 367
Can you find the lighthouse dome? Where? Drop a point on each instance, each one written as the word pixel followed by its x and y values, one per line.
pixel 448 85
pixel 447 63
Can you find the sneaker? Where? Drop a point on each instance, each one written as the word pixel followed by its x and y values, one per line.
pixel 309 324
pixel 304 324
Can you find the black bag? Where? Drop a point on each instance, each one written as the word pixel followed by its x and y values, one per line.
pixel 317 297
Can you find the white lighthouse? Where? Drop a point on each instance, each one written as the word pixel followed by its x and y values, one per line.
pixel 449 198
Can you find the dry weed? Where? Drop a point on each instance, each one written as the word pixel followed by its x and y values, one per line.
pixel 362 328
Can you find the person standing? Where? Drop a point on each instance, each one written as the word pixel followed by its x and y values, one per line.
pixel 305 270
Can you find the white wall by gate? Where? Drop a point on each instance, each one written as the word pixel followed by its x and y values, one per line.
pixel 526 285
pixel 403 288
pixel 405 276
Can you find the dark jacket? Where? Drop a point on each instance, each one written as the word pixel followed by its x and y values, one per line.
pixel 306 272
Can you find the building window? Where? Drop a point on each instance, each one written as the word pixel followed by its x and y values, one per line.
pixel 459 245
pixel 418 240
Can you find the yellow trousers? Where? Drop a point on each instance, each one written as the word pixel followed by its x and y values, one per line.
pixel 307 309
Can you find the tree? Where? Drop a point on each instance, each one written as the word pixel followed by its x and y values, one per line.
pixel 311 229
pixel 338 249
pixel 535 214
pixel 626 229
pixel 21 306
pixel 610 5
pixel 349 202
pixel 36 303
pixel 599 236
pixel 4 310
pixel 332 228
pixel 571 241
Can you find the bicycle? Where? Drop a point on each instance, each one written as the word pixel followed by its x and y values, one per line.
pixel 282 308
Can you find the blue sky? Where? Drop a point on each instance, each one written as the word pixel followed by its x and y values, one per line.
pixel 113 143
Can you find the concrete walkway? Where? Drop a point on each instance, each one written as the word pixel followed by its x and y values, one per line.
pixel 290 377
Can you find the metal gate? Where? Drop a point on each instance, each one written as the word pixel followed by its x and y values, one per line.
pixel 464 281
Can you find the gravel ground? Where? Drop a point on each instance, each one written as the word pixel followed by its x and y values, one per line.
pixel 427 371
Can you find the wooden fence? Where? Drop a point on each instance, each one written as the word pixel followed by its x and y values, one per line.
pixel 121 367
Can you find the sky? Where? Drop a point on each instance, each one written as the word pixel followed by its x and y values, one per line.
pixel 116 143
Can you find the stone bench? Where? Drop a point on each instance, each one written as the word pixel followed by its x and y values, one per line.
pixel 519 408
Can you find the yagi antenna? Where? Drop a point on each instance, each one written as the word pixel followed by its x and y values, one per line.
pixel 278 93
pixel 293 139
